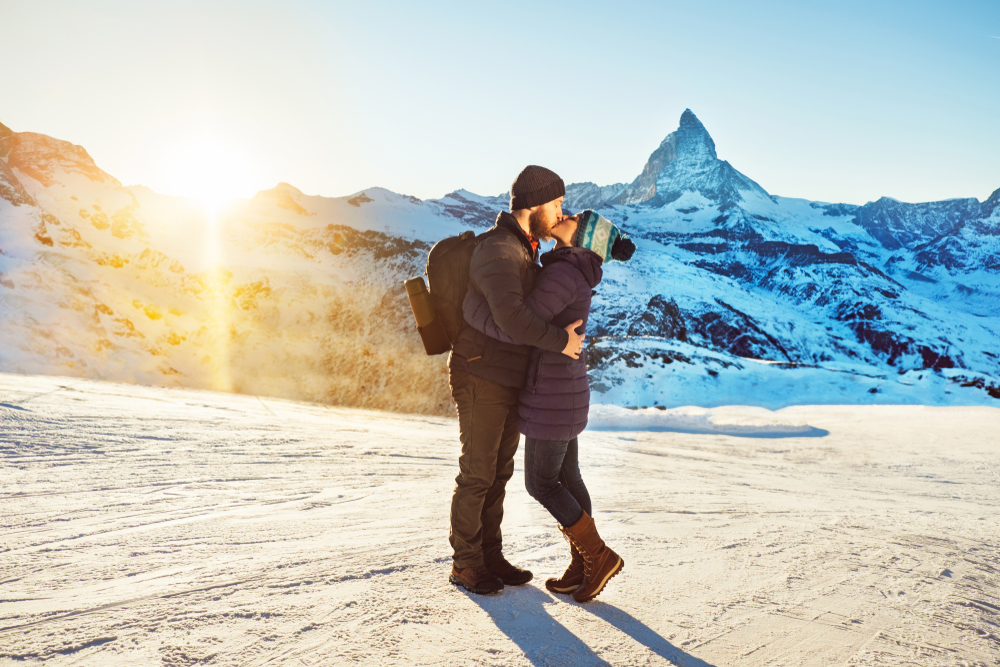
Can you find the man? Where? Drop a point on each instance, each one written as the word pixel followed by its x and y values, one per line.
pixel 486 376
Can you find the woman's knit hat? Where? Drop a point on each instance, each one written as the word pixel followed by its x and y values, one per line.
pixel 602 237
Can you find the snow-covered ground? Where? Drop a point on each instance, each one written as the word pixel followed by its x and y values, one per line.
pixel 149 526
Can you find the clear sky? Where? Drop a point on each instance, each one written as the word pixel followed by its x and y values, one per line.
pixel 836 101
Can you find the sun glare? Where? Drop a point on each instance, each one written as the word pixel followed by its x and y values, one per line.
pixel 209 172
pixel 212 175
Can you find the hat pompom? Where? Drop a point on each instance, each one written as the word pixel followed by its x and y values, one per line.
pixel 623 249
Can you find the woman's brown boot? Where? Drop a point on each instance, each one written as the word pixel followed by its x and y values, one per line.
pixel 573 576
pixel 599 562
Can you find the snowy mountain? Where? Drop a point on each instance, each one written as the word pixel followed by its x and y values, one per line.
pixel 686 161
pixel 735 295
pixel 580 196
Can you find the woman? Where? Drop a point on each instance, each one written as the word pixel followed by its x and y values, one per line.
pixel 556 397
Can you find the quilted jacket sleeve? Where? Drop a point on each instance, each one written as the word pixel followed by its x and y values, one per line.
pixel 476 312
pixel 556 289
pixel 495 273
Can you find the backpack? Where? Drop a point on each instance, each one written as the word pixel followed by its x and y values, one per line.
pixel 448 280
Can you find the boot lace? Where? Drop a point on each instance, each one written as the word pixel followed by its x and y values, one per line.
pixel 588 562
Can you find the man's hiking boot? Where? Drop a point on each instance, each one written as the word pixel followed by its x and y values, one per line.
pixel 572 577
pixel 599 562
pixel 508 574
pixel 476 579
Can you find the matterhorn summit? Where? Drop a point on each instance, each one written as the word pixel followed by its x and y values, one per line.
pixel 686 161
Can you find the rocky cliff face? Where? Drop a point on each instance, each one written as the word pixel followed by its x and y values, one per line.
pixel 896 225
pixel 580 196
pixel 43 158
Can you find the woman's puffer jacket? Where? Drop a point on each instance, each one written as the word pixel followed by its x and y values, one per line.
pixel 555 400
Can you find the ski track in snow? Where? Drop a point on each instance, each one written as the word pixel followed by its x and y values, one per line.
pixel 152 526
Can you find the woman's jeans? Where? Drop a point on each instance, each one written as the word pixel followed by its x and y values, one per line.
pixel 552 477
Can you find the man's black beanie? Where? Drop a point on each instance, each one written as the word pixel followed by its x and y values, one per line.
pixel 535 186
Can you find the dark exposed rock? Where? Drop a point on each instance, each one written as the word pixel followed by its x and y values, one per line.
pixel 850 312
pixel 882 341
pixel 847 244
pixel 604 356
pixel 730 269
pixel 359 200
pixel 934 360
pixel 979 383
pixel 662 318
pixel 347 240
pixel 705 248
pixel 727 329
pixel 600 357
pixel 11 188
pixel 799 255
pixel 739 334
pixel 866 321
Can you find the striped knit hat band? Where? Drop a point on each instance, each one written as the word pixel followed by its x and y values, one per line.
pixel 596 233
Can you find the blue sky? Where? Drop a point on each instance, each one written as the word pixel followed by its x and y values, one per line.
pixel 834 101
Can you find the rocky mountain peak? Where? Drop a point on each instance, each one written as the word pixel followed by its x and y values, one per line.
pixel 6 139
pixel 686 161
pixel 287 188
pixel 283 196
pixel 43 158
pixel 992 203
pixel 692 140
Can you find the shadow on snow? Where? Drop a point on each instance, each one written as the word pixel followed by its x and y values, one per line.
pixel 643 634
pixel 521 614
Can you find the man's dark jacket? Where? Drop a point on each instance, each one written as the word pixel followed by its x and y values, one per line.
pixel 555 401
pixel 502 273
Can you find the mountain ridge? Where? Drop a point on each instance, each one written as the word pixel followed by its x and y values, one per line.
pixel 732 288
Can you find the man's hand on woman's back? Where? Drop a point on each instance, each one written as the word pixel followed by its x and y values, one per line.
pixel 575 344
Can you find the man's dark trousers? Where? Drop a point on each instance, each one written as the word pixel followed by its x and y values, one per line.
pixel 487 423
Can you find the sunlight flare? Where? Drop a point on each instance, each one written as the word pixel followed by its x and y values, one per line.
pixel 213 175
pixel 209 172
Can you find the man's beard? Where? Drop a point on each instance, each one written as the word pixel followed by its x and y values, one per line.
pixel 539 227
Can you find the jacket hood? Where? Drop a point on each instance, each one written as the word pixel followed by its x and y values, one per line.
pixel 586 261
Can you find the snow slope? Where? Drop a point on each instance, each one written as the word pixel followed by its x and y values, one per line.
pixel 177 527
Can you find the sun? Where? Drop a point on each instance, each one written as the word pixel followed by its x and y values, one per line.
pixel 209 172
